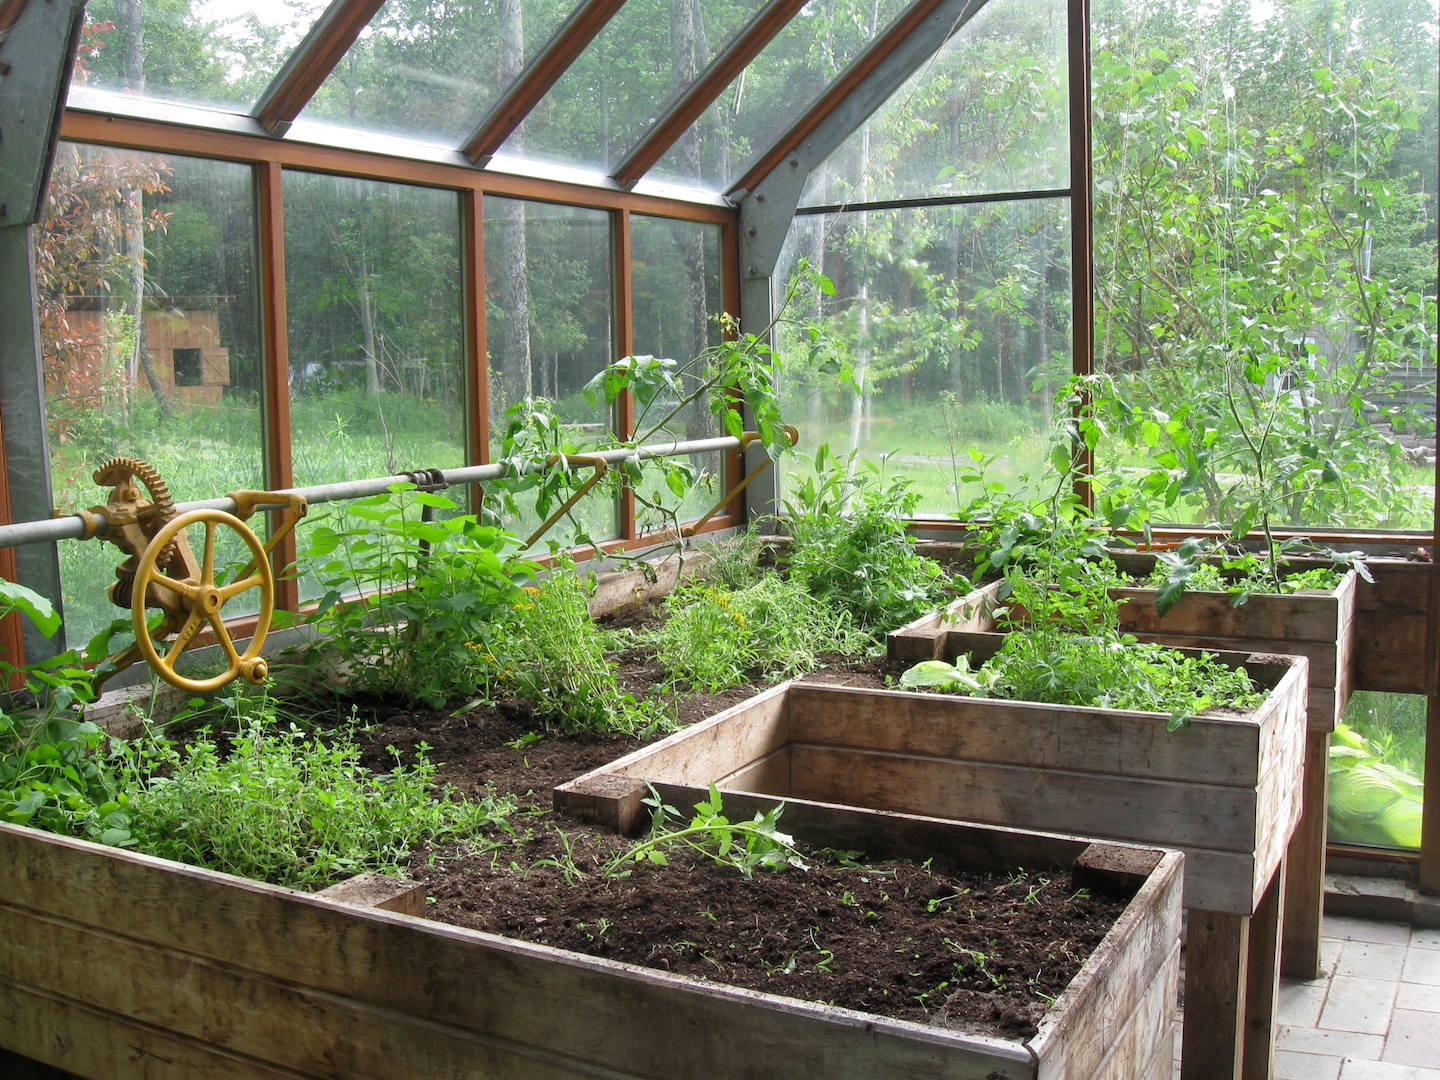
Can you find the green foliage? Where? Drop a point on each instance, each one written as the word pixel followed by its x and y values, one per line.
pixel 748 846
pixel 1372 801
pixel 850 547
pixel 1241 576
pixel 549 651
pixel 52 772
pixel 408 598
pixel 288 807
pixel 713 638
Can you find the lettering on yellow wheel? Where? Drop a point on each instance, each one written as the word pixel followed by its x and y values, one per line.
pixel 196 602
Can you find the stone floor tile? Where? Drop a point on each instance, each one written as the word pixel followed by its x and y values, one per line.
pixel 1353 929
pixel 1356 1004
pixel 1292 1066
pixel 1364 1069
pixel 1428 938
pixel 1371 960
pixel 1422 966
pixel 1419 996
pixel 1310 1040
pixel 1414 1039
pixel 1300 1002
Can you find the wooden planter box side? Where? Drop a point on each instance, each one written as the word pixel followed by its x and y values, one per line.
pixel 1225 790
pixel 119 965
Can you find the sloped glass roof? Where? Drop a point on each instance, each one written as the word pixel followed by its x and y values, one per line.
pixel 646 56
pixel 988 114
pixel 429 70
pixel 774 90
pixel 215 53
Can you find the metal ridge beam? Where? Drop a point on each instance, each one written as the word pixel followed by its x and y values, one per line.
pixel 583 26
pixel 702 93
pixel 310 64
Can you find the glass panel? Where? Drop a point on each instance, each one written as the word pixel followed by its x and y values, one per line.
pixel 990 113
pixel 550 326
pixel 1377 762
pixel 431 70
pixel 210 53
pixel 678 296
pixel 640 63
pixel 774 91
pixel 376 340
pixel 145 270
pixel 1265 242
pixel 954 322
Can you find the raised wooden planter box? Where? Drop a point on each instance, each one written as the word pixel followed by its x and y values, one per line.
pixel 119 966
pixel 1225 791
pixel 1316 624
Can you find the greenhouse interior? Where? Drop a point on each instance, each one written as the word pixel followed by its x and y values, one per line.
pixel 558 538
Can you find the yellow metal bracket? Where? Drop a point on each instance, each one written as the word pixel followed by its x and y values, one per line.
pixel 792 436
pixel 601 467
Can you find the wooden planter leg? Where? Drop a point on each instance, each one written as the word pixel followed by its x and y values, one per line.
pixel 1305 877
pixel 1213 1035
pixel 1262 981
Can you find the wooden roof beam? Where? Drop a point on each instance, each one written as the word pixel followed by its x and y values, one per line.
pixel 311 64
pixel 702 93
pixel 535 81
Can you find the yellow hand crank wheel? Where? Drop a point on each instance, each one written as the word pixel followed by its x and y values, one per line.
pixel 194 602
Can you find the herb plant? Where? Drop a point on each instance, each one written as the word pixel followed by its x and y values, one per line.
pixel 281 805
pixel 748 846
pixel 850 547
pixel 406 597
pixel 774 628
pixel 52 771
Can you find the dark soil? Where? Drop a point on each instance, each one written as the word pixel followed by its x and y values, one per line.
pixel 941 945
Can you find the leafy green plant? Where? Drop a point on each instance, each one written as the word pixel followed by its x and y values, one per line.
pixel 1242 575
pixel 549 651
pixel 748 846
pixel 850 548
pixel 1371 800
pixel 407 596
pixel 293 808
pixel 774 628
pixel 52 772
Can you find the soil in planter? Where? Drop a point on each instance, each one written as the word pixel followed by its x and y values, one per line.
pixel 961 949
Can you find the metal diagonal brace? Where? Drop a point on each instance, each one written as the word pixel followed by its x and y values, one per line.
pixel 601 467
pixel 792 436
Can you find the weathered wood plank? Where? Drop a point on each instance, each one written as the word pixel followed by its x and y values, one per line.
pixel 1100 1006
pixel 378 891
pixel 1262 983
pixel 1107 741
pixel 770 775
pixel 1211 1039
pixel 1120 808
pixel 1305 867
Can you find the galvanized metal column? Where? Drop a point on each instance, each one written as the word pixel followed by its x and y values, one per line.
pixel 37 47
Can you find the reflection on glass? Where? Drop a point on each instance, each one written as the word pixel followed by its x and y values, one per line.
pixel 1377 760
pixel 990 113
pixel 954 325
pixel 221 55
pixel 1265 260
pixel 677 284
pixel 650 52
pixel 145 276
pixel 550 325
pixel 774 91
pixel 372 272
pixel 432 70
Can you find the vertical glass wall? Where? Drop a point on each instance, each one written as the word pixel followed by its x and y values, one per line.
pixel 550 328
pixel 145 267
pixel 1377 765
pixel 949 328
pixel 1265 229
pixel 373 279
pixel 676 278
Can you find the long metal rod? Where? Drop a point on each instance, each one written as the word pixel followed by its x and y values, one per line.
pixel 73 526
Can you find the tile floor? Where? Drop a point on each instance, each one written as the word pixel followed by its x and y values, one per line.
pixel 1375 1015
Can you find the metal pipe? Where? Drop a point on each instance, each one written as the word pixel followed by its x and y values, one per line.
pixel 73 526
